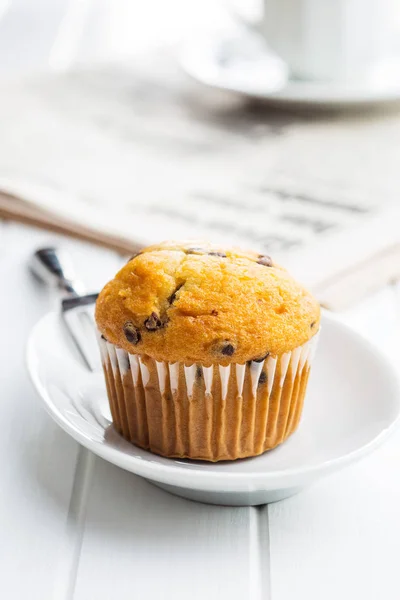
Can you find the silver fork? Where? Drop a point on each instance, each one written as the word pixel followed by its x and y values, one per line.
pixel 54 268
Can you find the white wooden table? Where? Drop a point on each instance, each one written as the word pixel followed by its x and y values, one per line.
pixel 73 526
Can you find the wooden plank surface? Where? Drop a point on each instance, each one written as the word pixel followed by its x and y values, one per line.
pixel 140 541
pixel 39 515
pixel 37 462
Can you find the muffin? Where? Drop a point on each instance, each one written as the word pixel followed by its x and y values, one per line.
pixel 206 350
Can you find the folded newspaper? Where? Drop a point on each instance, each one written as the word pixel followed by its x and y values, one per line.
pixel 129 156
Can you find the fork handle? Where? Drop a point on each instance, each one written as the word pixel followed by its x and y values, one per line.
pixel 53 267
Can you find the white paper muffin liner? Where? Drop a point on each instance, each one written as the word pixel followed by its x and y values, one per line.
pixel 206 413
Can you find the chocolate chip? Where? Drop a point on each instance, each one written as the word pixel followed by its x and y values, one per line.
pixel 195 251
pixel 313 324
pixel 153 322
pixel 263 378
pixel 228 350
pixel 199 372
pixel 132 333
pixel 214 312
pixel 265 260
pixel 221 254
pixel 172 298
pixel 261 358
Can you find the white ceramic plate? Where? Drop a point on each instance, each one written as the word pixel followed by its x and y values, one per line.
pixel 237 59
pixel 351 406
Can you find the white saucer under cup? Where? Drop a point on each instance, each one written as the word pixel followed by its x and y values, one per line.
pixel 336 52
pixel 352 405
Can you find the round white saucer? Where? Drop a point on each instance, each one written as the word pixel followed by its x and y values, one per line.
pixel 237 59
pixel 352 405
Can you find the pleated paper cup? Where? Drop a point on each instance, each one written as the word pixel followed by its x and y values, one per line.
pixel 206 413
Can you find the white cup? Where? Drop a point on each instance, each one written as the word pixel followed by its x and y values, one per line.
pixel 331 40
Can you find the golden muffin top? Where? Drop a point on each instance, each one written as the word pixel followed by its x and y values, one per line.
pixel 197 302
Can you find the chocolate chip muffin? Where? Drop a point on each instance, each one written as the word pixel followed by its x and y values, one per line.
pixel 206 350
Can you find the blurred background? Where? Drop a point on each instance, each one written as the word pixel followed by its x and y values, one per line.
pixel 52 34
pixel 272 124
